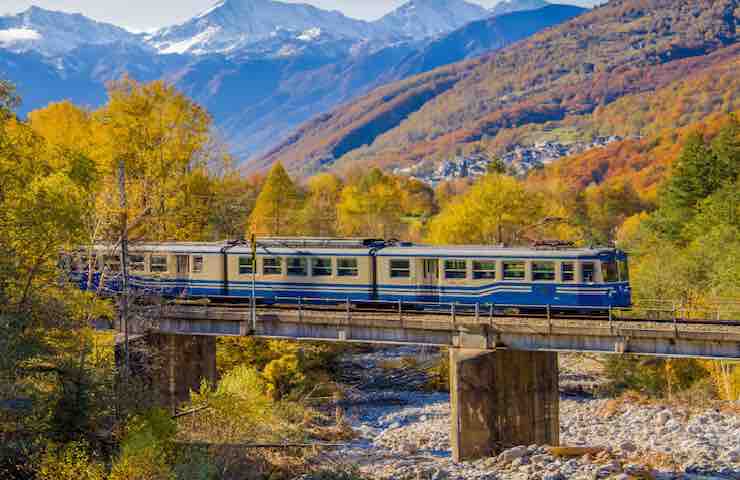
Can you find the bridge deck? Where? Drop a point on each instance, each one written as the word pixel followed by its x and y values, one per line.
pixel 677 338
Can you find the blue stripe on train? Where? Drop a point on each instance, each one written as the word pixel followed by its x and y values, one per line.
pixel 500 293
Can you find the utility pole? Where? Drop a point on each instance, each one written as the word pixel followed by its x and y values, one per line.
pixel 124 261
pixel 253 303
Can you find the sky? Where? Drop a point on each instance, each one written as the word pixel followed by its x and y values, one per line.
pixel 144 15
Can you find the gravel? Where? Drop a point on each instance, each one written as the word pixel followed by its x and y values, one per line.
pixel 404 434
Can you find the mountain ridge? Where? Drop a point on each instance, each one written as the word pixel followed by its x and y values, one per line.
pixel 567 70
pixel 260 93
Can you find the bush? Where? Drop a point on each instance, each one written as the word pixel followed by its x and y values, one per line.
pixel 73 461
pixel 439 374
pixel 283 375
pixel 147 448
pixel 656 377
pixel 725 378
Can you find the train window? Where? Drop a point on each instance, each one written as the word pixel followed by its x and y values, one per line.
pixel 245 265
pixel 347 267
pixel 297 266
pixel 321 267
pixel 514 271
pixel 609 271
pixel 198 264
pixel 568 271
pixel 484 269
pixel 400 268
pixel 158 264
pixel 543 271
pixel 272 266
pixel 624 271
pixel 456 269
pixel 588 272
pixel 137 263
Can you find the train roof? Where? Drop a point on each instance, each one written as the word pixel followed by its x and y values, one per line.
pixel 348 249
pixel 483 251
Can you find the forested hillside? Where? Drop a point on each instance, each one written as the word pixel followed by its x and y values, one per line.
pixel 69 411
pixel 621 49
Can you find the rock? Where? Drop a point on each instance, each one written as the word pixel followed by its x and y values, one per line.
pixel 409 448
pixel 507 456
pixel 734 455
pixel 553 476
pixel 541 459
pixel 662 417
pixel 627 446
pixel 438 475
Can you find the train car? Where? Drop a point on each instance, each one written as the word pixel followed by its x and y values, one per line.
pixel 367 270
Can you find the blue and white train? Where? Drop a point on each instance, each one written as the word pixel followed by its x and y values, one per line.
pixel 367 270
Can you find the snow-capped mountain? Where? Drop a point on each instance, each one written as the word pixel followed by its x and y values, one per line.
pixel 234 24
pixel 261 67
pixel 510 6
pixel 427 18
pixel 53 33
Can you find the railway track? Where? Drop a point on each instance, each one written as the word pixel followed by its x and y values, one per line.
pixel 483 313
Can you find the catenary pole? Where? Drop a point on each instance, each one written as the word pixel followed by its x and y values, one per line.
pixel 124 261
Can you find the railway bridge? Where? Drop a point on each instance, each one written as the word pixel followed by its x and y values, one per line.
pixel 503 365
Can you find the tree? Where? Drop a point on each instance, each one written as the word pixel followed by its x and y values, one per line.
pixel 8 99
pixel 277 205
pixel 606 206
pixel 163 139
pixel 233 201
pixel 491 212
pixel 319 214
pixel 371 207
pixel 693 178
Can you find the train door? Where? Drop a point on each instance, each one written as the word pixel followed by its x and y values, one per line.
pixel 183 274
pixel 430 280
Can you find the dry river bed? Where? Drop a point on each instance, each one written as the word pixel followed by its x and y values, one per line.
pixel 403 433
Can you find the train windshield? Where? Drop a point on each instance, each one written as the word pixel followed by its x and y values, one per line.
pixel 609 271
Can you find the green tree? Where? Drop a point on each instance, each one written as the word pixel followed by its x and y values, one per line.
pixel 700 170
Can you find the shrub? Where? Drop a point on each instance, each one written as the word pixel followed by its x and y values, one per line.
pixel 147 448
pixel 653 376
pixel 73 461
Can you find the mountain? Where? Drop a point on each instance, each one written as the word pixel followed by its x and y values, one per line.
pixel 55 33
pixel 623 48
pixel 234 24
pixel 288 91
pixel 511 6
pixel 427 18
pixel 261 91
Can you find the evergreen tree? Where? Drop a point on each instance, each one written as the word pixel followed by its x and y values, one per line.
pixel 277 205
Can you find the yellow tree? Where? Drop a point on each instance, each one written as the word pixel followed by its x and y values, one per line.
pixel 372 207
pixel 277 206
pixel 320 211
pixel 491 212
pixel 163 139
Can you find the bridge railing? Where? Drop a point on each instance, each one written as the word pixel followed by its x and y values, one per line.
pixel 655 312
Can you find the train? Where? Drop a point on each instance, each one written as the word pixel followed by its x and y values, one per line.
pixel 279 270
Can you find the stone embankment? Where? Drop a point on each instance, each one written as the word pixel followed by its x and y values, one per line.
pixel 404 434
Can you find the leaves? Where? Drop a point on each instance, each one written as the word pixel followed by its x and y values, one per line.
pixel 277 205
pixel 491 212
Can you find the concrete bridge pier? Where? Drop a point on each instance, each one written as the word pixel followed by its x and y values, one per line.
pixel 183 361
pixel 502 399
